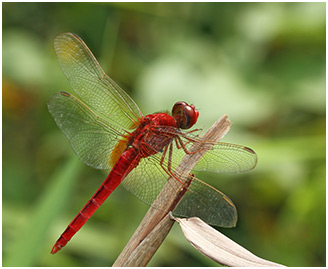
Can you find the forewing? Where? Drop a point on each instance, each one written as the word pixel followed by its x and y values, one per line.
pixel 222 158
pixel 92 138
pixel 92 85
pixel 227 158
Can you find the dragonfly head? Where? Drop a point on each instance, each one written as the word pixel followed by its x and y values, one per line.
pixel 185 115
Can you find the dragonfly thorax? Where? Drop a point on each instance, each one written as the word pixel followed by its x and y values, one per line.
pixel 154 132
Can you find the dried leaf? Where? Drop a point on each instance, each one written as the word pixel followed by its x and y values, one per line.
pixel 217 246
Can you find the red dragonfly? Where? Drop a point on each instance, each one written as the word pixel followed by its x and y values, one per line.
pixel 107 130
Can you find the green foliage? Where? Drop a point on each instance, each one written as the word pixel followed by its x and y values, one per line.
pixel 263 64
pixel 30 241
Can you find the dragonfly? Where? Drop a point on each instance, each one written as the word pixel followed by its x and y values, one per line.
pixel 107 130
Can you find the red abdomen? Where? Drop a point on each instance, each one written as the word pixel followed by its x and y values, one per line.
pixel 128 160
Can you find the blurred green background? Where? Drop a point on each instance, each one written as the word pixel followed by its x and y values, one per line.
pixel 263 64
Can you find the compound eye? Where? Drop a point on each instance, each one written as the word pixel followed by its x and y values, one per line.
pixel 185 115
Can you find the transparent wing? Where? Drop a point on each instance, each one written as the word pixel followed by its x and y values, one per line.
pixel 201 200
pixel 147 179
pixel 92 85
pixel 222 158
pixel 212 206
pixel 92 138
pixel 227 158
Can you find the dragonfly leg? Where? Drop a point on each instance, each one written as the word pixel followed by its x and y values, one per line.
pixel 182 145
pixel 168 170
pixel 194 130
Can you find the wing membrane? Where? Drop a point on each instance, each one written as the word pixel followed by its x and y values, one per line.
pixel 92 85
pixel 212 206
pixel 92 138
pixel 146 180
pixel 227 158
pixel 222 158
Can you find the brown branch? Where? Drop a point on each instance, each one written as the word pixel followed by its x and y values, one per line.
pixel 156 224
